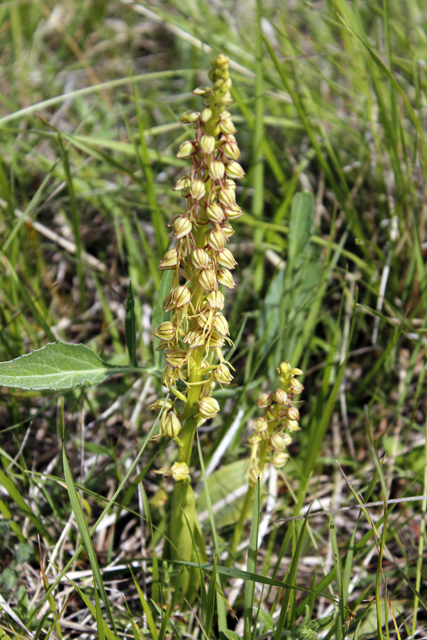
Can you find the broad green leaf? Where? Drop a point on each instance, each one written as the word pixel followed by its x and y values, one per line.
pixel 300 224
pixel 55 367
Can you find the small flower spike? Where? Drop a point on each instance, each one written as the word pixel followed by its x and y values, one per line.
pixel 269 438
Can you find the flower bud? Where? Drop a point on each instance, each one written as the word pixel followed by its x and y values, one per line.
pixel 284 369
pixel 277 442
pixel 234 170
pixel 163 344
pixel 206 115
pixel 207 145
pixel 216 340
pixel 224 277
pixel 198 189
pixel 222 374
pixel 176 358
pixel 188 117
pixel 168 305
pixel 200 258
pixel 195 338
pixel 296 386
pixel 261 424
pixel 226 259
pixel 216 170
pixel 207 279
pixel 216 300
pixel 214 212
pixel 297 372
pixel 255 438
pixel 280 459
pixel 183 182
pixel 169 260
pixel 293 413
pixel 202 91
pixel 264 400
pixel 216 239
pixel 227 127
pixel 171 426
pixel 287 439
pixel 227 197
pixel 221 324
pixel 186 149
pixel 226 99
pixel 231 148
pixel 234 212
pixel 180 296
pixel 281 397
pixel 255 474
pixel 227 229
pixel 159 404
pixel 180 471
pixel 166 331
pixel 293 425
pixel 204 319
pixel 208 407
pixel 182 227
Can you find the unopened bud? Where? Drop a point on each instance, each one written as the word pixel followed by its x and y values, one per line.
pixel 186 150
pixel 180 471
pixel 176 358
pixel 293 413
pixel 216 340
pixel 171 425
pixel 182 227
pixel 226 259
pixel 214 212
pixel 280 459
pixel 255 438
pixel 264 400
pixel 183 182
pixel 188 117
pixel 221 324
pixel 166 331
pixel 169 260
pixel 281 397
pixel 277 442
pixel 234 170
pixel 201 91
pixel 297 372
pixel 255 474
pixel 227 127
pixel 207 145
pixel 208 407
pixel 225 278
pixel 207 279
pixel 261 424
pixel 195 338
pixel 222 374
pixel 159 404
pixel 293 425
pixel 216 170
pixel 206 115
pixel 216 239
pixel 227 197
pixel 216 300
pixel 284 369
pixel 295 385
pixel 198 189
pixel 227 229
pixel 231 148
pixel 234 212
pixel 200 258
pixel 287 439
pixel 181 296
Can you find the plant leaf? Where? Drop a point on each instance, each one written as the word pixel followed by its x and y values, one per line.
pixel 130 326
pixel 160 316
pixel 55 367
pixel 300 224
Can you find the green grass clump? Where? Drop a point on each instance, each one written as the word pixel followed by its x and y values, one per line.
pixel 330 107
